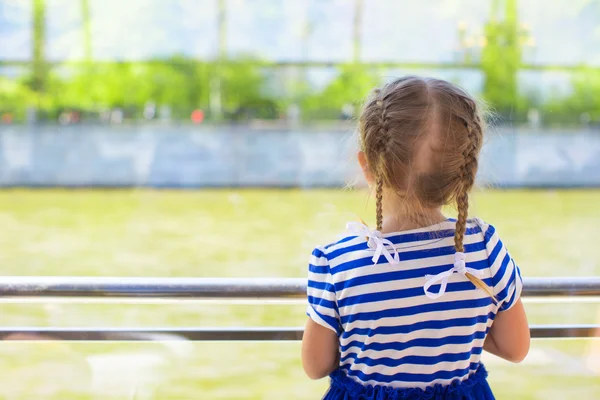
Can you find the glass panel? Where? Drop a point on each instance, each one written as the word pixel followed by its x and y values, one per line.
pixel 236 101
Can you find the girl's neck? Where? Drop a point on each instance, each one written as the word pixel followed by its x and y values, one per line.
pixel 397 223
pixel 399 216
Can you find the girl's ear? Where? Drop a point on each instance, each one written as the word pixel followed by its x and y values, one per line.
pixel 362 161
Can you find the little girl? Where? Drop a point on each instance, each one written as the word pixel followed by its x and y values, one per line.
pixel 405 311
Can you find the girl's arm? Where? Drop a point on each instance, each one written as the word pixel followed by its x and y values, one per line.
pixel 508 337
pixel 320 354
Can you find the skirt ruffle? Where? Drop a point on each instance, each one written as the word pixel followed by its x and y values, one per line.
pixel 475 387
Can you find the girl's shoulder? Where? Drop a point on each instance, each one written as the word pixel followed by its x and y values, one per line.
pixel 478 222
pixel 487 229
pixel 346 242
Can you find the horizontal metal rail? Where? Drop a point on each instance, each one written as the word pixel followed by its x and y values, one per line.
pixel 230 288
pixel 232 334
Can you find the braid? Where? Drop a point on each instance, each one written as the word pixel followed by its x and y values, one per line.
pixel 467 176
pixel 461 222
pixel 379 203
pixel 383 136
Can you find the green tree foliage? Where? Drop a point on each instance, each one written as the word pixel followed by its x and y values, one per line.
pixel 237 89
pixel 101 86
pixel 39 67
pixel 582 106
pixel 242 86
pixel 16 97
pixel 180 83
pixel 500 62
pixel 349 88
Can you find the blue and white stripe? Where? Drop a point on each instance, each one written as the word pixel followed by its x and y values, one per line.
pixel 390 332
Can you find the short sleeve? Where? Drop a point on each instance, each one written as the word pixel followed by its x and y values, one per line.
pixel 506 275
pixel 322 304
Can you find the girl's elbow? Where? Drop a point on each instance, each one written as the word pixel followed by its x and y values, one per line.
pixel 315 375
pixel 318 368
pixel 519 353
pixel 315 372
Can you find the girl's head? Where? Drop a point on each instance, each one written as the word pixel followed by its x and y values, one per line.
pixel 420 140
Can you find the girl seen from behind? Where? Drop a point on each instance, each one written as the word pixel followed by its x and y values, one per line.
pixel 405 311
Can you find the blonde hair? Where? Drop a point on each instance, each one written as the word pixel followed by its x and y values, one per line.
pixel 412 115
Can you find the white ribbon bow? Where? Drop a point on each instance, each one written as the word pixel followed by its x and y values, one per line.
pixel 375 241
pixel 442 278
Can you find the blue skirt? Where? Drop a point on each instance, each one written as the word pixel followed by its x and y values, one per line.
pixel 475 387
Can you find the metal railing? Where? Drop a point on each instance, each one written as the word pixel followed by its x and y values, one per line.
pixel 225 288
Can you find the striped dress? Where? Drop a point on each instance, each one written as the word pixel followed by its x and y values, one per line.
pixel 396 340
